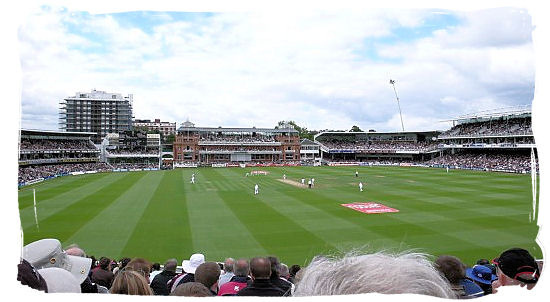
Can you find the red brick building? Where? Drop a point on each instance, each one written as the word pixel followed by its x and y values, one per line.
pixel 239 145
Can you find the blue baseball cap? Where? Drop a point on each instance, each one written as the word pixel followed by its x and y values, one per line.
pixel 481 274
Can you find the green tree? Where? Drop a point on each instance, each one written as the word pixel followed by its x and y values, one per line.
pixel 169 139
pixel 303 132
pixel 355 128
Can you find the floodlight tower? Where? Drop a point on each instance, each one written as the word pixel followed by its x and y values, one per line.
pixel 392 82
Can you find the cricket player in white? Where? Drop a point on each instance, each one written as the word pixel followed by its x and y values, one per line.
pixel 256 190
pixel 313 182
pixel 193 178
pixel 356 173
pixel 303 181
pixel 360 187
pixel 447 169
pixel 284 176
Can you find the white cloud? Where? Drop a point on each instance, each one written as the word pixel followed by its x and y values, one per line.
pixel 244 69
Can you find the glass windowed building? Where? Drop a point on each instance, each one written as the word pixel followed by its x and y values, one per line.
pixel 99 112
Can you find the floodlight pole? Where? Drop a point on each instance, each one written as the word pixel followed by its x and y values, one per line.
pixel 392 82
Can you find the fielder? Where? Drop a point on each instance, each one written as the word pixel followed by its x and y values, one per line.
pixel 356 173
pixel 256 189
pixel 309 183
pixel 360 187
pixel 303 181
pixel 313 182
pixel 447 169
pixel 284 176
pixel 193 178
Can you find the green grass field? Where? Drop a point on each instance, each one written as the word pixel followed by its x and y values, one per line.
pixel 159 214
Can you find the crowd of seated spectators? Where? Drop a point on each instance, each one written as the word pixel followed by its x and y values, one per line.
pixel 238 139
pixel 490 161
pixel 55 144
pixel 516 126
pixel 510 162
pixel 353 273
pixel 134 165
pixel 381 146
pixel 377 161
pixel 231 149
pixel 28 173
pixel 134 151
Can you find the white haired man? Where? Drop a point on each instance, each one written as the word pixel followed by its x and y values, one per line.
pixel 227 271
pixel 406 273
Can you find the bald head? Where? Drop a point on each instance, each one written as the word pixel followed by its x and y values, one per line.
pixel 171 265
pixel 260 268
pixel 75 251
pixel 242 268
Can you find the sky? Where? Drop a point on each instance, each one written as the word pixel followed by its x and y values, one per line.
pixel 324 69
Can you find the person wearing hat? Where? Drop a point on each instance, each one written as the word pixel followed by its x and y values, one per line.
pixel 188 275
pixel 59 280
pixel 516 267
pixel 47 253
pixel 482 276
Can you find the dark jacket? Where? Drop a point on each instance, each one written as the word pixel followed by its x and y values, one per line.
pixel 187 278
pixel 159 285
pixel 282 284
pixel 261 288
pixel 103 277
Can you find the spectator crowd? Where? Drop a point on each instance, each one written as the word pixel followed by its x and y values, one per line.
pixel 238 139
pixel 47 267
pixel 134 151
pixel 55 144
pixel 28 173
pixel 380 146
pixel 129 166
pixel 491 161
pixel 515 126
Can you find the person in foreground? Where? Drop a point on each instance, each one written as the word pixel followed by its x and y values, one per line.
pixel 130 282
pixel 260 269
pixel 516 266
pixel 381 272
pixel 455 271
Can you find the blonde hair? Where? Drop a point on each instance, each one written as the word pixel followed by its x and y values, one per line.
pixel 128 282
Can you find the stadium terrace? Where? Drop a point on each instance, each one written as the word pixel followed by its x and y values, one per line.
pixel 215 211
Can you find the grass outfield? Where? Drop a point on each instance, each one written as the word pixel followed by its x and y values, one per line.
pixel 160 215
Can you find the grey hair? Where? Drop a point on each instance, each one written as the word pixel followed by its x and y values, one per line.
pixel 381 272
pixel 283 270
pixel 75 250
pixel 228 265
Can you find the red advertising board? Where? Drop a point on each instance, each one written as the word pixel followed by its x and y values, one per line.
pixel 369 207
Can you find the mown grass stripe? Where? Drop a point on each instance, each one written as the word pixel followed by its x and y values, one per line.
pixel 166 217
pixel 217 232
pixel 54 187
pixel 274 231
pixel 74 215
pixel 47 208
pixel 106 234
